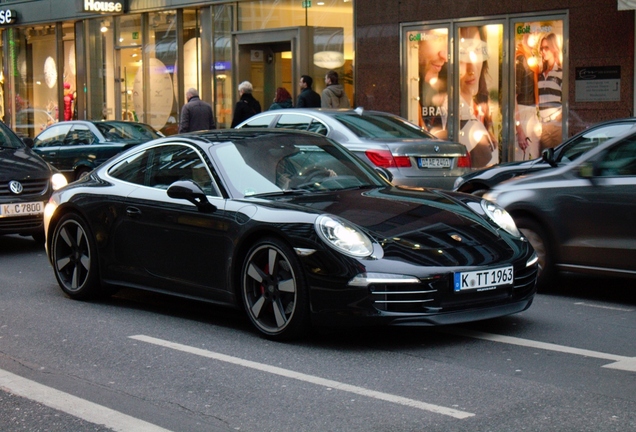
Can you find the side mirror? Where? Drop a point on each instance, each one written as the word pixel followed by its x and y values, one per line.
pixel 190 191
pixel 586 170
pixel 28 141
pixel 548 156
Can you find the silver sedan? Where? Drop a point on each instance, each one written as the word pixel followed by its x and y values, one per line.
pixel 412 157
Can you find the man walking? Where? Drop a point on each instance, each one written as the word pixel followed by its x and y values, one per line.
pixel 307 97
pixel 196 114
pixel 334 96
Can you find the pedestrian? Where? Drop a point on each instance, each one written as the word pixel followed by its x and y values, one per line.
pixel 334 96
pixel 550 83
pixel 196 114
pixel 247 106
pixel 282 100
pixel 307 97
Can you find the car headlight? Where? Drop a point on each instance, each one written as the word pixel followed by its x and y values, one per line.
pixel 58 181
pixel 500 216
pixel 343 237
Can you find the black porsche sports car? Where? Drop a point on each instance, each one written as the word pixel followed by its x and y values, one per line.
pixel 292 227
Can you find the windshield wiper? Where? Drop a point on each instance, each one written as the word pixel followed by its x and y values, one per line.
pixel 280 193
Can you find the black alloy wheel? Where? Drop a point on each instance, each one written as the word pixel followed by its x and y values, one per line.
pixel 273 290
pixel 74 258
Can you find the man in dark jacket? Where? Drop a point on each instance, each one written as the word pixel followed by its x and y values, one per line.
pixel 196 115
pixel 307 97
pixel 247 105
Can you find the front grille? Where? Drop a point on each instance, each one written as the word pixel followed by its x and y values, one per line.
pixel 526 278
pixel 30 187
pixel 16 224
pixel 404 297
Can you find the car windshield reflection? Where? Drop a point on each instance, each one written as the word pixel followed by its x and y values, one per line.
pixel 284 165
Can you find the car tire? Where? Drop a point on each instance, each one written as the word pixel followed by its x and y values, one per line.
pixel 82 172
pixel 540 242
pixel 273 290
pixel 74 258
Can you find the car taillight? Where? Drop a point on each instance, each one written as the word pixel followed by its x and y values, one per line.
pixel 464 161
pixel 384 159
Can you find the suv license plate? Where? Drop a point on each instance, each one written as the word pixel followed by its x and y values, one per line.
pixel 483 280
pixel 434 162
pixel 22 209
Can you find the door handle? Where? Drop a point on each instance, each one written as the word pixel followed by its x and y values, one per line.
pixel 133 212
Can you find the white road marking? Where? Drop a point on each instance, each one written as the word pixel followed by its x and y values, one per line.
pixel 604 307
pixel 621 362
pixel 73 405
pixel 308 378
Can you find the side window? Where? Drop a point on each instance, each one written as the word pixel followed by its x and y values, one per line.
pixel 172 163
pixel 259 122
pixel 79 135
pixel 318 127
pixel 133 169
pixel 293 121
pixel 620 160
pixel 592 139
pixel 53 136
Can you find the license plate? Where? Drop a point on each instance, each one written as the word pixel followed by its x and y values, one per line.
pixel 434 162
pixel 483 280
pixel 22 209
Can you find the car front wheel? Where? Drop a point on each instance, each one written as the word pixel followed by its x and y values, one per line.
pixel 273 290
pixel 539 240
pixel 74 258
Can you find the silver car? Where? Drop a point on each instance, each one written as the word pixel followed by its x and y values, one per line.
pixel 413 157
pixel 579 217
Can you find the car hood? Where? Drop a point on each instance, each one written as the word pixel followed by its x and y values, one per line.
pixel 431 228
pixel 21 164
pixel 519 167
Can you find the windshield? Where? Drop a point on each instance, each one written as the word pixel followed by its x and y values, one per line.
pixel 126 131
pixel 8 139
pixel 370 125
pixel 284 163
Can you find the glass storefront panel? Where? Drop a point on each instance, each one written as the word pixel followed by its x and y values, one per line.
pixel 479 84
pixel 538 87
pixel 223 84
pixel 160 53
pixel 129 58
pixel 69 111
pixel 100 74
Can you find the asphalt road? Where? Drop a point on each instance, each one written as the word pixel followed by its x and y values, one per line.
pixel 142 361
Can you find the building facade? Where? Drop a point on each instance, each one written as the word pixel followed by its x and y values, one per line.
pixel 135 59
pixel 507 79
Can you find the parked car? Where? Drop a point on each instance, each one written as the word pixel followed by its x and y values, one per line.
pixel 26 183
pixel 290 226
pixel 76 147
pixel 579 217
pixel 480 181
pixel 413 157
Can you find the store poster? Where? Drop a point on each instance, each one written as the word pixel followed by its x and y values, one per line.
pixel 538 87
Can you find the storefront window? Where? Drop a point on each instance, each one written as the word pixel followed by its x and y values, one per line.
pixel 130 70
pixel 538 87
pixel 69 111
pixel 162 87
pixel 100 72
pixel 33 80
pixel 479 89
pixel 223 85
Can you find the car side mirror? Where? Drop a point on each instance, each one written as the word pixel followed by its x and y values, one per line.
pixel 190 191
pixel 548 156
pixel 586 170
pixel 28 141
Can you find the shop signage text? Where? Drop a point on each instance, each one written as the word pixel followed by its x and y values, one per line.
pixel 8 16
pixel 99 6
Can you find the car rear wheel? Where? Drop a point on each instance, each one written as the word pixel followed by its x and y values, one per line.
pixel 273 290
pixel 539 240
pixel 82 172
pixel 74 258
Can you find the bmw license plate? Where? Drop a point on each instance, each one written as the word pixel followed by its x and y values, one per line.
pixel 483 280
pixel 22 209
pixel 433 162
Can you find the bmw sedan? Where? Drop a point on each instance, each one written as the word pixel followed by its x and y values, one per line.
pixel 26 183
pixel 292 228
pixel 579 217
pixel 412 157
pixel 480 181
pixel 76 147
